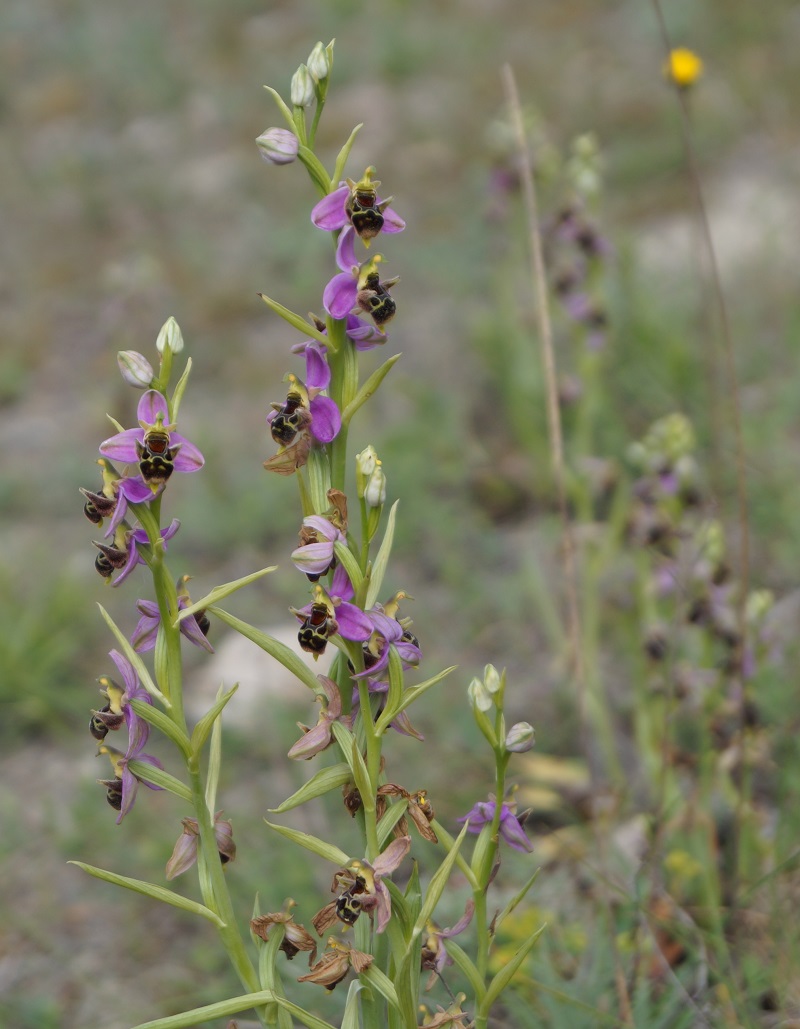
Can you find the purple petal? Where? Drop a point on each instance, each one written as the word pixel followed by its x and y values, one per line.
pixel 318 374
pixel 312 742
pixel 325 419
pixel 134 559
pixel 194 634
pixel 151 405
pixel 341 585
pixel 314 558
pixel 126 670
pixel 329 213
pixel 354 624
pixel 145 633
pixel 390 858
pixel 513 833
pixel 122 447
pixel 392 222
pixel 401 723
pixel 364 335
pixel 171 529
pixel 339 297
pixel 323 527
pixel 389 628
pixel 130 786
pixel 188 458
pixel 346 251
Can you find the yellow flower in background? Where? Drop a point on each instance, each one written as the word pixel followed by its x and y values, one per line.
pixel 683 67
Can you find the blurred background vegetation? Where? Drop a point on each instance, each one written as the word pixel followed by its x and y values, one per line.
pixel 132 190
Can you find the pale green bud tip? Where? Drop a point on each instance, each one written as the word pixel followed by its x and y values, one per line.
pixel 366 462
pixel 491 678
pixel 318 63
pixel 136 370
pixel 170 336
pixel 520 738
pixel 302 90
pixel 375 491
pixel 479 696
pixel 278 146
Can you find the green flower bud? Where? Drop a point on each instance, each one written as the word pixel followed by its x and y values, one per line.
pixel 375 491
pixel 520 738
pixel 479 696
pixel 491 679
pixel 366 463
pixel 302 90
pixel 170 337
pixel 318 64
pixel 135 368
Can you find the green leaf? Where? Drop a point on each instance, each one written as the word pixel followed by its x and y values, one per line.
pixel 221 592
pixel 344 153
pixel 204 726
pixel 349 563
pixel 379 981
pixel 158 777
pixel 351 754
pixel 315 169
pixel 155 717
pixel 368 388
pixel 224 1008
pixel 410 695
pixel 273 647
pixel 438 883
pixel 297 321
pixel 468 969
pixel 214 760
pixel 351 1014
pixel 139 666
pixel 382 559
pixel 282 107
pixel 316 846
pixel 390 819
pixel 151 890
pixel 322 782
pixel 507 972
pixel 395 692
pixel 516 899
pixel 180 389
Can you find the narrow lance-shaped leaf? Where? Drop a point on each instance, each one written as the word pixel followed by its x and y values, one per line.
pixel 151 890
pixel 382 559
pixel 344 153
pixel 180 389
pixel 380 981
pixel 297 321
pixel 224 1008
pixel 351 1018
pixel 390 819
pixel 468 968
pixel 410 695
pixel 352 755
pixel 214 761
pixel 153 716
pixel 368 388
pixel 324 781
pixel 204 726
pixel 282 107
pixel 312 843
pixel 349 563
pixel 315 169
pixel 516 899
pixel 273 647
pixel 507 972
pixel 158 777
pixel 221 592
pixel 438 883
